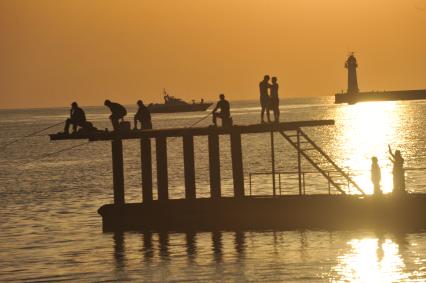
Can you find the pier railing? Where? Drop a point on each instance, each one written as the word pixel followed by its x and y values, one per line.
pixel 279 188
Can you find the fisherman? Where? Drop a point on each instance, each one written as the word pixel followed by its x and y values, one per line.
pixel 77 118
pixel 143 116
pixel 224 114
pixel 274 100
pixel 264 98
pixel 376 175
pixel 117 112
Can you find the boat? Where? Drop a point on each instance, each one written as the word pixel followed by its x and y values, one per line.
pixel 172 105
pixel 353 95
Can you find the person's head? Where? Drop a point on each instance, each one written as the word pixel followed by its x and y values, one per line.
pixel 266 78
pixel 374 159
pixel 107 102
pixel 222 96
pixel 74 105
pixel 397 153
pixel 140 102
pixel 274 79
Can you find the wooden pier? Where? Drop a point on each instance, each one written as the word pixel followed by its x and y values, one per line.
pixel 239 211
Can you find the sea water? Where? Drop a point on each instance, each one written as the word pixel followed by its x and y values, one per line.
pixel 50 229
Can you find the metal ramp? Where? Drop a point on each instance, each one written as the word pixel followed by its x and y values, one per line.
pixel 320 161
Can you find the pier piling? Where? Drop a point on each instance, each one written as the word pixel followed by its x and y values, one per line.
pixel 146 164
pixel 214 165
pixel 237 164
pixel 162 172
pixel 117 170
pixel 189 166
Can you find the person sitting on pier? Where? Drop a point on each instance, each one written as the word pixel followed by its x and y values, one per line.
pixel 397 171
pixel 224 113
pixel 77 118
pixel 274 100
pixel 264 98
pixel 376 175
pixel 143 116
pixel 117 112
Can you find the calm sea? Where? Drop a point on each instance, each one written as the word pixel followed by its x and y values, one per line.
pixel 50 229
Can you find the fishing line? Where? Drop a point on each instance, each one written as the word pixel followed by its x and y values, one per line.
pixel 29 135
pixel 52 154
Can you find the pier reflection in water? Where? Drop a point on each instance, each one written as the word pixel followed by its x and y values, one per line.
pixel 271 255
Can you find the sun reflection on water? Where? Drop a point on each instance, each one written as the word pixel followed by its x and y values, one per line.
pixel 367 129
pixel 371 260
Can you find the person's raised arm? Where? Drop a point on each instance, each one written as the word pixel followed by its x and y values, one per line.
pixel 390 151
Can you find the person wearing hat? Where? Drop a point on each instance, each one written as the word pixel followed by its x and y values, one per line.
pixel 143 116
pixel 77 118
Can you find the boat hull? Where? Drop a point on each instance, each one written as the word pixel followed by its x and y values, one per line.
pixel 380 96
pixel 165 108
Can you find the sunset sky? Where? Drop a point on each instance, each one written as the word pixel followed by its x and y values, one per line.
pixel 55 52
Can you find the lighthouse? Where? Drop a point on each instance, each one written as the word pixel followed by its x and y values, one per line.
pixel 351 65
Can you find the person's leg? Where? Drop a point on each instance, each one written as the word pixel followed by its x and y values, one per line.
pixel 135 122
pixel 268 112
pixel 214 118
pixel 262 113
pixel 114 122
pixel 67 126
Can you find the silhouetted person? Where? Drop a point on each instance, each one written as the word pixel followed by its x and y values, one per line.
pixel 224 114
pixel 274 100
pixel 117 112
pixel 376 175
pixel 143 116
pixel 264 98
pixel 77 118
pixel 397 171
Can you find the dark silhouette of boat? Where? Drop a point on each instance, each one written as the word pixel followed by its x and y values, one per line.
pixel 353 95
pixel 172 105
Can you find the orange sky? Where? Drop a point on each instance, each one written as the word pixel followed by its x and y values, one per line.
pixel 54 52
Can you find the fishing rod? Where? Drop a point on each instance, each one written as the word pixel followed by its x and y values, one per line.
pixel 29 135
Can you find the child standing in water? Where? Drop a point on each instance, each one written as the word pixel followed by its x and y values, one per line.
pixel 376 175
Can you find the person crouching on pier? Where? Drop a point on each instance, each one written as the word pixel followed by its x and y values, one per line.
pixel 77 118
pixel 376 175
pixel 117 112
pixel 224 114
pixel 274 100
pixel 143 116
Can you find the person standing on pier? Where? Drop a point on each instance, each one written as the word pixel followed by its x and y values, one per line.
pixel 77 118
pixel 264 98
pixel 117 112
pixel 274 100
pixel 224 114
pixel 143 116
pixel 397 171
pixel 376 175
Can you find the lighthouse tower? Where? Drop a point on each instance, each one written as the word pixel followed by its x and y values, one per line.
pixel 351 65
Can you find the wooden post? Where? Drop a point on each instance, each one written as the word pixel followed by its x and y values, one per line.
pixel 189 168
pixel 214 166
pixel 146 168
pixel 299 162
pixel 162 173
pixel 237 164
pixel 117 171
pixel 273 163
